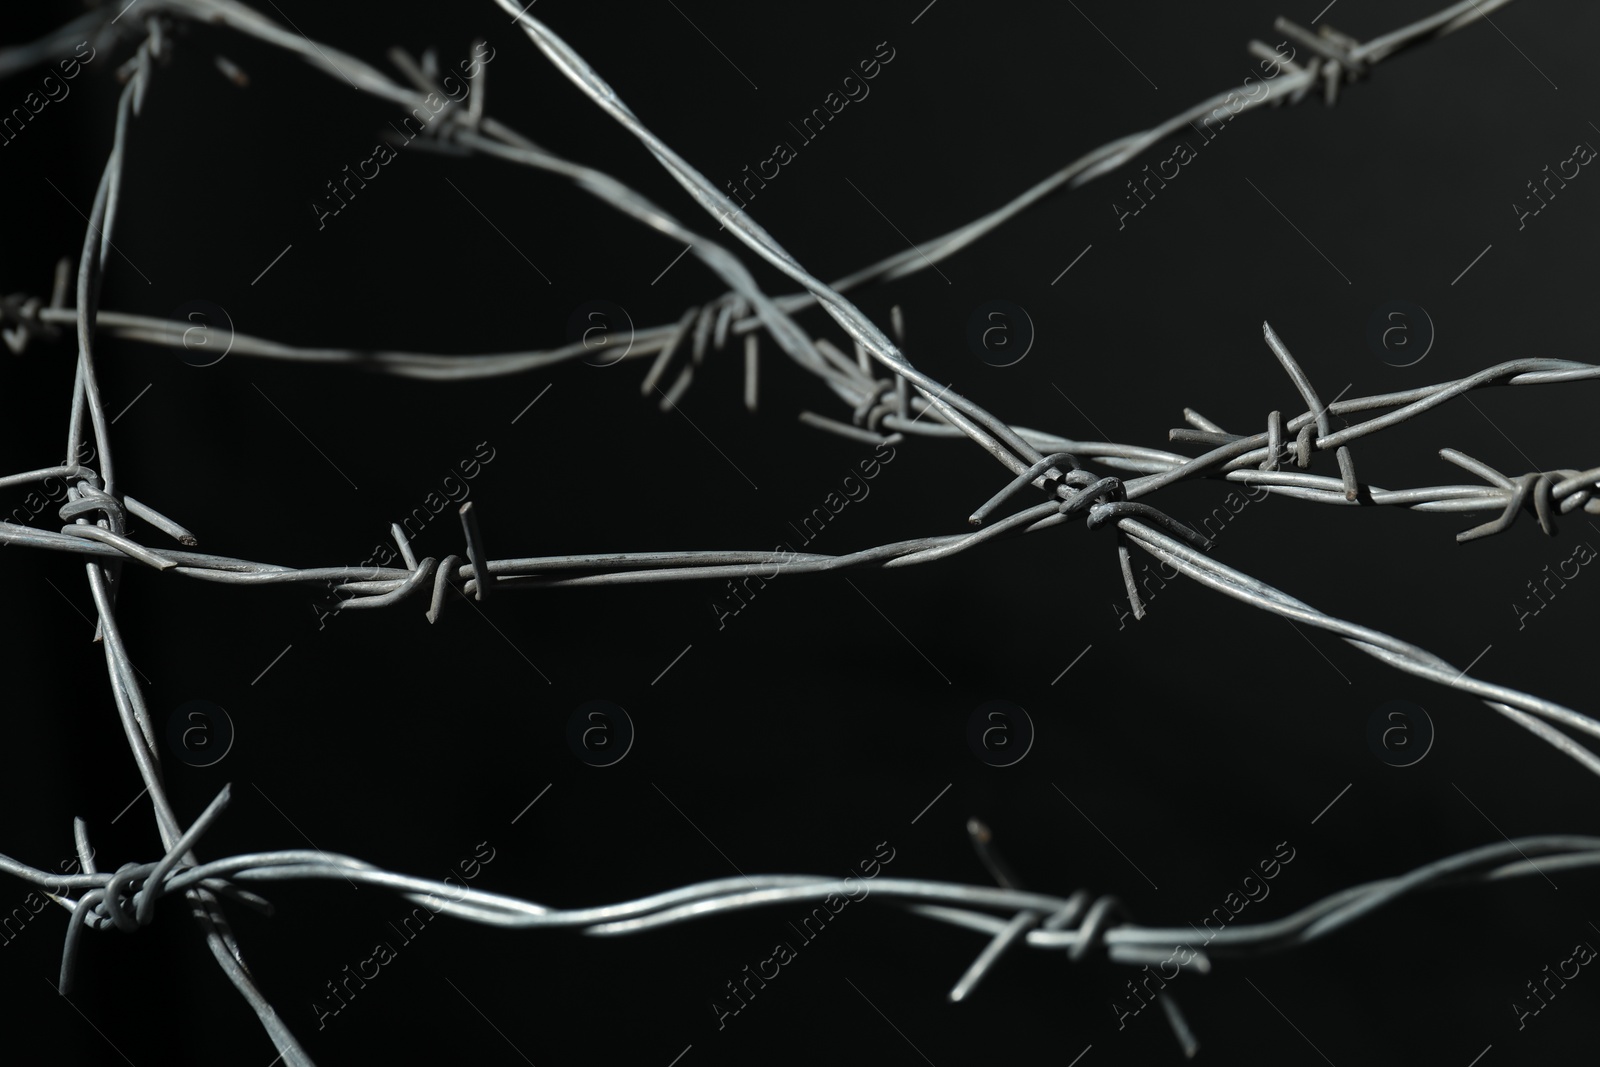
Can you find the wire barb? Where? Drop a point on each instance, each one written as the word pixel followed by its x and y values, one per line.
pixel 903 402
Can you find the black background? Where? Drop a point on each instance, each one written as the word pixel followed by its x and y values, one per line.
pixel 823 718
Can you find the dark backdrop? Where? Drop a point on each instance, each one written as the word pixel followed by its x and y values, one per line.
pixel 827 721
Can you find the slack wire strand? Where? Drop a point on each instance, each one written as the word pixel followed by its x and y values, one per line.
pixel 768 312
pixel 905 402
pixel 996 437
pixel 1080 494
pixel 126 900
pixel 1237 450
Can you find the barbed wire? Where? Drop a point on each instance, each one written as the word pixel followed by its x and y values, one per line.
pixel 897 404
pixel 1079 924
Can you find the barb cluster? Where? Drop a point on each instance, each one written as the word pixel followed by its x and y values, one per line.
pixel 1079 923
pixel 887 398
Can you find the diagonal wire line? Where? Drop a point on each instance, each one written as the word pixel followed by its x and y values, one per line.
pixel 1299 231
pixel 899 631
pixel 1113 44
pixel 302 433
pixel 897 230
pixel 1102 833
pixel 96 230
pixel 699 831
pixel 713 44
pixel 952 415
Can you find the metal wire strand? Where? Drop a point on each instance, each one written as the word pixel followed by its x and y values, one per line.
pixel 904 402
pixel 126 899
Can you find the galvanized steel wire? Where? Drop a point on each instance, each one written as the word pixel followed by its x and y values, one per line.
pixel 886 398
